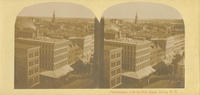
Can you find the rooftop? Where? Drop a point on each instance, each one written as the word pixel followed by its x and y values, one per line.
pixel 107 48
pixel 129 41
pixel 24 46
pixel 43 39
pixel 139 74
pixel 58 72
pixel 25 23
pixel 80 37
pixel 167 37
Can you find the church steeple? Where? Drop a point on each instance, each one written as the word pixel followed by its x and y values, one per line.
pixel 53 19
pixel 136 18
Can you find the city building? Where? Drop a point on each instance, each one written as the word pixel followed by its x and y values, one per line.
pixel 179 43
pixel 179 27
pixel 54 78
pixel 172 45
pixel 157 54
pixel 25 28
pixel 86 43
pixel 135 53
pixel 112 66
pixel 27 65
pixel 135 58
pixel 54 59
pixel 53 52
pixel 75 53
pixel 180 75
pixel 112 34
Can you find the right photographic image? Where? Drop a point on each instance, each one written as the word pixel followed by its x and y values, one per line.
pixel 143 46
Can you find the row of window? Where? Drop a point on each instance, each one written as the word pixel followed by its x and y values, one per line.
pixel 129 67
pixel 33 70
pixel 33 54
pixel 34 80
pixel 143 52
pixel 128 59
pixel 46 51
pixel 61 51
pixel 126 53
pixel 114 72
pixel 117 63
pixel 46 65
pixel 140 59
pixel 128 48
pixel 31 63
pixel 115 81
pixel 141 66
pixel 115 55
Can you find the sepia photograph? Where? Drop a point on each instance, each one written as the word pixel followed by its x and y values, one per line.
pixel 151 37
pixel 65 46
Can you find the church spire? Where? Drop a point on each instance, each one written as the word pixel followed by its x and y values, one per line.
pixel 136 18
pixel 53 19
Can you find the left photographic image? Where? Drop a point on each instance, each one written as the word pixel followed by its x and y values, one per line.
pixel 54 46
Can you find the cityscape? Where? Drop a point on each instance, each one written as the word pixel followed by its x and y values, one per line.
pixel 79 52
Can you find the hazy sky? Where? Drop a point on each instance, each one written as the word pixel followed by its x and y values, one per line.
pixel 144 10
pixel 61 10
pixel 125 10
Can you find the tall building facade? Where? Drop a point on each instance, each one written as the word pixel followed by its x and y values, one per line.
pixel 75 53
pixel 86 43
pixel 171 45
pixel 25 28
pixel 53 52
pixel 27 65
pixel 135 53
pixel 157 54
pixel 112 66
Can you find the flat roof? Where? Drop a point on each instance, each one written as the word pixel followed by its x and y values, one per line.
pixel 139 74
pixel 58 72
pixel 107 48
pixel 167 37
pixel 24 46
pixel 43 39
pixel 80 37
pixel 129 41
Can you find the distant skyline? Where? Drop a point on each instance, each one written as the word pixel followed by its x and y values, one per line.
pixel 61 10
pixel 143 10
pixel 124 10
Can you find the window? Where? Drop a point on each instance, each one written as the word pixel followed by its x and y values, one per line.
pixel 118 80
pixel 36 53
pixel 30 72
pixel 118 71
pixel 127 37
pixel 118 54
pixel 30 55
pixel 112 64
pixel 31 63
pixel 118 63
pixel 113 82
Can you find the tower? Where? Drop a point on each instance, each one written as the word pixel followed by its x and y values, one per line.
pixel 136 18
pixel 53 19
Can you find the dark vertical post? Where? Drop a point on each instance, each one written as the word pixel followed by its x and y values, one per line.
pixel 101 70
pixel 98 52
